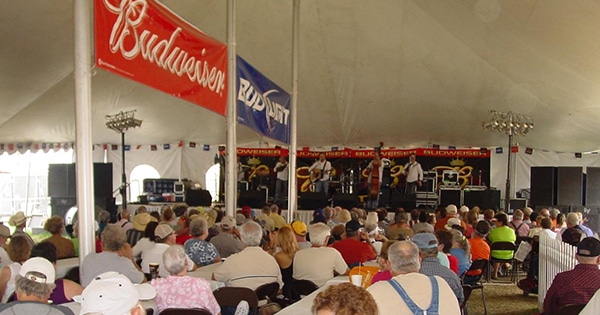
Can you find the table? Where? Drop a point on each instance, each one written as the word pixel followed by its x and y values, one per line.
pixel 303 306
pixel 147 304
pixel 64 265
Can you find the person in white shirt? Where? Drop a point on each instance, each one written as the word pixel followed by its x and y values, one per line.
pixel 320 171
pixel 329 263
pixel 414 175
pixel 125 223
pixel 281 185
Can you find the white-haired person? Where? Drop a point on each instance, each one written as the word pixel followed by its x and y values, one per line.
pixel 252 267
pixel 179 290
pixel 112 293
pixel 319 263
pixel 164 237
pixel 200 251
pixel 409 291
pixel 34 285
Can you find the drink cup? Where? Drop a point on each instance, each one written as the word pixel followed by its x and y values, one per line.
pixel 356 280
pixel 153 270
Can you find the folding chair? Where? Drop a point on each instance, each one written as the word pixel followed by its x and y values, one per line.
pixel 230 297
pixel 508 246
pixel 185 311
pixel 303 288
pixel 479 266
pixel 267 291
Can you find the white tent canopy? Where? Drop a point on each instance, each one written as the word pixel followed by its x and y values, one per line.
pixel 409 73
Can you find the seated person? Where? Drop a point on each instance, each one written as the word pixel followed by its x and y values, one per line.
pixel 113 293
pixel 116 256
pixel 200 251
pixel 179 290
pixel 64 247
pixel 65 289
pixel 329 263
pixel 239 272
pixel 576 286
pixel 164 237
pixel 34 284
pixel 355 248
pixel 335 300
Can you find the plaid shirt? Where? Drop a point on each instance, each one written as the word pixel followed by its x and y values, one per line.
pixel 430 266
pixel 575 286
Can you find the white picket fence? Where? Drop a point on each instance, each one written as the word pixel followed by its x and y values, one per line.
pixel 555 256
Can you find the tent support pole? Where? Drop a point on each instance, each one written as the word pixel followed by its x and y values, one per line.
pixel 231 147
pixel 83 136
pixel 292 188
pixel 507 192
pixel 123 174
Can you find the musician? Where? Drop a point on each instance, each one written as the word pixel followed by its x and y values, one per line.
pixel 375 169
pixel 281 184
pixel 241 174
pixel 414 175
pixel 320 171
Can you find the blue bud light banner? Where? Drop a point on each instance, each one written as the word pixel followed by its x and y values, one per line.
pixel 261 104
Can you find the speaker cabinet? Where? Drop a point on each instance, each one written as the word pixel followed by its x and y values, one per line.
pixel 484 199
pixel 313 200
pixel 517 203
pixel 252 198
pixel 543 183
pixel 406 201
pixel 198 197
pixel 570 186
pixel 62 180
pixel 592 188
pixel 346 201
pixel 450 196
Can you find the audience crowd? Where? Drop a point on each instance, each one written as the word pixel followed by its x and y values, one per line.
pixel 423 258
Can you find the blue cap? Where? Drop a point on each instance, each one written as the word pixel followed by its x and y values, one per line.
pixel 425 240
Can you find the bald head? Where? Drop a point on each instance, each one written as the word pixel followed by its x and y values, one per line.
pixel 404 257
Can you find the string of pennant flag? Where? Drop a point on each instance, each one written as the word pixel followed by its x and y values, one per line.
pixel 34 147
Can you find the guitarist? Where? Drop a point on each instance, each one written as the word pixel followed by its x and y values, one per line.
pixel 281 184
pixel 320 171
pixel 414 175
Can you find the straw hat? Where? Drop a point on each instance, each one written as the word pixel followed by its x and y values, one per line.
pixel 17 219
pixel 141 220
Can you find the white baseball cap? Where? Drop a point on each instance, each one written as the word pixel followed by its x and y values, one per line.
pixel 41 266
pixel 112 293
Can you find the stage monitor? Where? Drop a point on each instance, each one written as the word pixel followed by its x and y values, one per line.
pixel 450 178
pixel 178 188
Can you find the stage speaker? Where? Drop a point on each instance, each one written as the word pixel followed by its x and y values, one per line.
pixel 62 180
pixel 543 183
pixel 198 197
pixel 592 187
pixel 484 199
pixel 517 203
pixel 346 201
pixel 570 186
pixel 450 196
pixel 252 198
pixel 313 200
pixel 407 201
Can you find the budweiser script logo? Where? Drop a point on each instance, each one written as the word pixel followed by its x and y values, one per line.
pixel 259 102
pixel 126 38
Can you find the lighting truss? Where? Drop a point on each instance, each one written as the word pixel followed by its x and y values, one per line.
pixel 509 123
pixel 122 121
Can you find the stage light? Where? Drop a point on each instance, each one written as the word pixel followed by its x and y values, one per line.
pixel 120 123
pixel 510 124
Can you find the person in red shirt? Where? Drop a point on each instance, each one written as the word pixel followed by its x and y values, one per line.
pixel 576 286
pixel 355 247
pixel 451 211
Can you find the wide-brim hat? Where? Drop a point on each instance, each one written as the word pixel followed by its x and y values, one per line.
pixel 140 220
pixel 17 219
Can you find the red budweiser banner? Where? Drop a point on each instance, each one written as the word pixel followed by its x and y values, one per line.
pixel 144 41
pixel 348 153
